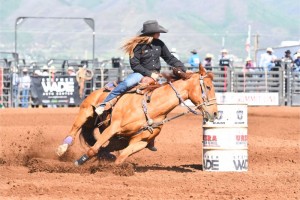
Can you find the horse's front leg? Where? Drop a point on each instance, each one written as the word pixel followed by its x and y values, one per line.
pixel 103 138
pixel 137 144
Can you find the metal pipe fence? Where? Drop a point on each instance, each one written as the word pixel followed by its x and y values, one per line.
pixel 283 82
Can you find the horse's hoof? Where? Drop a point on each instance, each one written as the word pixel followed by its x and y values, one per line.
pixel 81 160
pixel 105 155
pixel 62 149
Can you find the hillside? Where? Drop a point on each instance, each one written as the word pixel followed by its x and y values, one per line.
pixel 192 24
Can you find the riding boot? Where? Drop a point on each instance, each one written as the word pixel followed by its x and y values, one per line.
pixel 100 109
pixel 151 146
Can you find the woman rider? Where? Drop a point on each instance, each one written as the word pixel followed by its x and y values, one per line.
pixel 145 51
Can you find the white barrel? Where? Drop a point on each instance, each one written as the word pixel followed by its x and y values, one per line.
pixel 225 141
pixel 225 160
pixel 225 138
pixel 230 115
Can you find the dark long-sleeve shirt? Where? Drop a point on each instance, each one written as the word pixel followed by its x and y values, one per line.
pixel 146 58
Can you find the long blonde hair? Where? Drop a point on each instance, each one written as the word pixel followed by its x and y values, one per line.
pixel 131 43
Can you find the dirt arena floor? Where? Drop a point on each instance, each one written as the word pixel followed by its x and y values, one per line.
pixel 30 169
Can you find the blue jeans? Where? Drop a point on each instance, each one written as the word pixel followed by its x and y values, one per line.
pixel 130 81
pixel 15 95
pixel 25 97
pixel 270 66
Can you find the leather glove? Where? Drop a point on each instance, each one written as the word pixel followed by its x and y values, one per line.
pixel 154 76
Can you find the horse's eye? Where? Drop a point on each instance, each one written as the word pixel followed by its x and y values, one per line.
pixel 208 87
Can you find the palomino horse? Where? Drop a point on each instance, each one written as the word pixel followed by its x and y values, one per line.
pixel 129 118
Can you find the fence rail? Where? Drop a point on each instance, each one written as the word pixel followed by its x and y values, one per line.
pixel 283 82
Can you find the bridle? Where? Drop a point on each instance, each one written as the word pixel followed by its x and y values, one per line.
pixel 206 101
pixel 202 107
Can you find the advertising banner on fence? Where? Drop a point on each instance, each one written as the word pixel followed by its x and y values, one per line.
pixel 251 99
pixel 1 84
pixel 61 90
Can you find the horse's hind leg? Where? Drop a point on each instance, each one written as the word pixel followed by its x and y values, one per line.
pixel 81 118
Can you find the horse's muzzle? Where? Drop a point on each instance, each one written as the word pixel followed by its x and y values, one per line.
pixel 210 117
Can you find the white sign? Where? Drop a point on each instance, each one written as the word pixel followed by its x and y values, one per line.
pixel 254 99
pixel 230 115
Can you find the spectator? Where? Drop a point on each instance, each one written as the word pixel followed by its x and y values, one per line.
pixel 71 71
pixel 225 60
pixel 208 63
pixel 287 59
pixel 297 63
pixel 45 71
pixel 15 86
pixel 249 66
pixel 174 53
pixel 224 54
pixel 25 86
pixel 194 60
pixel 267 60
pixel 52 74
pixel 295 54
pixel 34 90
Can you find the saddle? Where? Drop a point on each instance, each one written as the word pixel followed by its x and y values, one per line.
pixel 145 87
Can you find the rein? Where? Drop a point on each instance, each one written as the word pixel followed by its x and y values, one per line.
pixel 206 102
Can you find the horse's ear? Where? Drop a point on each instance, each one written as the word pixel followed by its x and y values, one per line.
pixel 202 70
pixel 210 75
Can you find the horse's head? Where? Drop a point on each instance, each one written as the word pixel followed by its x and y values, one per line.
pixel 202 94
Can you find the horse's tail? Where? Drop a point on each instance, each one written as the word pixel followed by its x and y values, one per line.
pixel 87 133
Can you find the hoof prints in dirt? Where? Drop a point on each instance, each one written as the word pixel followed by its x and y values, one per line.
pixel 2 161
pixel 53 166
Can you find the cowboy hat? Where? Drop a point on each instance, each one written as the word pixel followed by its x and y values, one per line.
pixel 25 69
pixel 194 51
pixel 208 55
pixel 224 51
pixel 248 59
pixel 269 49
pixel 45 67
pixel 297 55
pixel 150 27
pixel 71 68
pixel 287 51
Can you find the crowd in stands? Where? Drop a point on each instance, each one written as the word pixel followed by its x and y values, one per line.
pixel 267 61
pixel 21 80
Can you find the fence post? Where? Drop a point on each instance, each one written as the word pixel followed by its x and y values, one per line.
pixel 289 81
pixel 281 86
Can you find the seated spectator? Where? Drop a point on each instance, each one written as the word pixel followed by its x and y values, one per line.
pixel 249 66
pixel 225 59
pixel 194 60
pixel 207 62
pixel 45 71
pixel 71 71
pixel 267 60
pixel 295 54
pixel 287 57
pixel 297 63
